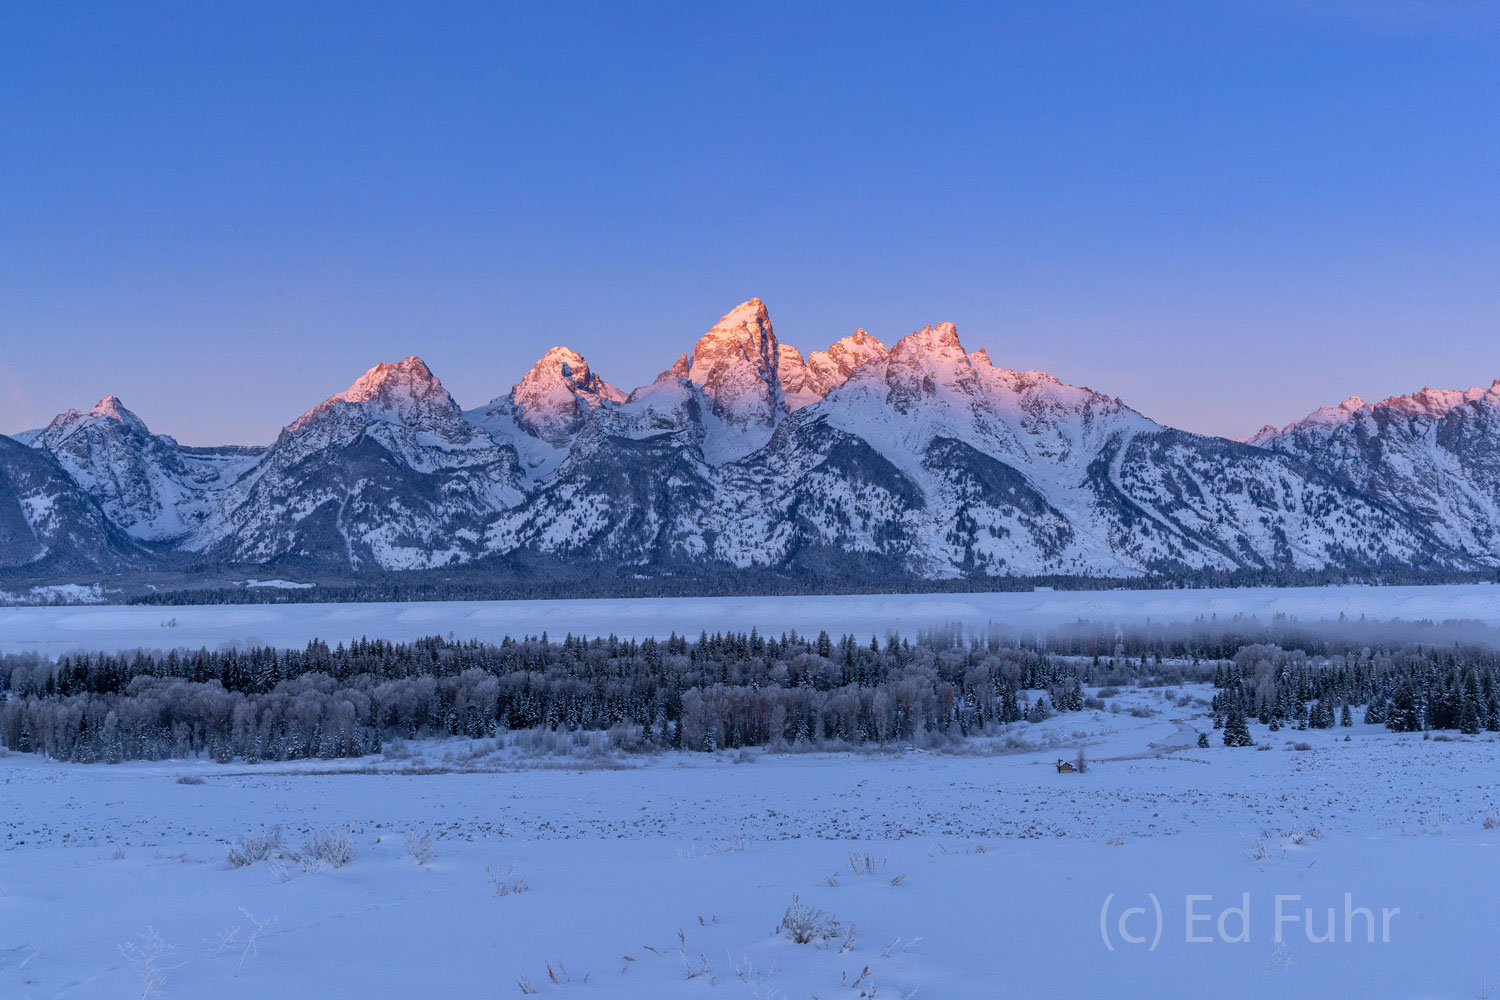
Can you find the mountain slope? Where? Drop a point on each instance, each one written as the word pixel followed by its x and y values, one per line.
pixel 386 474
pixel 49 525
pixel 937 460
pixel 150 486
pixel 1433 456
pixel 926 460
pixel 543 412
pixel 920 460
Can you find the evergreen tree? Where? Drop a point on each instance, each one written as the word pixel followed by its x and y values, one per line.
pixel 1405 715
pixel 1010 709
pixel 1236 731
pixel 1471 717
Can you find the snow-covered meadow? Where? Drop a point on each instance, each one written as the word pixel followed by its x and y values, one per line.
pixel 930 875
pixel 500 868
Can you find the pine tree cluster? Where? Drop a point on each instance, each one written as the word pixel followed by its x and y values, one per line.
pixel 734 690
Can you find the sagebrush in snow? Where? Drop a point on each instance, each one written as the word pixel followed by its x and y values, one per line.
pixel 253 849
pixel 419 843
pixel 506 883
pixel 146 956
pixel 804 924
pixel 329 847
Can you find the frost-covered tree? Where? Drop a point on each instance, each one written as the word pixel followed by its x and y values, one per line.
pixel 1236 731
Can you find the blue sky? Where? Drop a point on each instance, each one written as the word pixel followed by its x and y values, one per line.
pixel 1224 213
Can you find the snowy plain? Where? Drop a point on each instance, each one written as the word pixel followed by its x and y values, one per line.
pixel 61 629
pixel 949 875
pixel 994 876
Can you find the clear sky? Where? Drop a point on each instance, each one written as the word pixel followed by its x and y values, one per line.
pixel 1224 213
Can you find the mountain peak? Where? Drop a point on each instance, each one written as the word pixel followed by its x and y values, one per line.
pixel 939 340
pixel 735 363
pixel 1436 403
pixel 406 392
pixel 827 370
pixel 1263 436
pixel 557 395
pixel 930 362
pixel 563 356
pixel 110 407
pixel 750 311
pixel 407 378
pixel 745 330
pixel 108 410
pixel 791 369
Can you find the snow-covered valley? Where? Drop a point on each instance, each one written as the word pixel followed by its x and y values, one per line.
pixel 556 864
pixel 984 875
pixel 55 630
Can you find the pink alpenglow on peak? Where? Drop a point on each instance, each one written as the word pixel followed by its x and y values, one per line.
pixel 554 399
pixel 735 364
pixel 827 370
pixel 406 393
pixel 940 341
pixel 1429 403
pixel 791 368
pixel 1440 402
pixel 804 382
pixel 111 408
pixel 929 362
pixel 107 409
pixel 398 386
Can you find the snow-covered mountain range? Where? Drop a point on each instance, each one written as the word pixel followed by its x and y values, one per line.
pixel 919 460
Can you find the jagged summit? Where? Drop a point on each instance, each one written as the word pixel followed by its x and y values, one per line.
pixel 69 422
pixel 1440 402
pixel 561 372
pixel 552 401
pixel 150 487
pixel 405 392
pixel 940 340
pixel 827 370
pixel 111 408
pixel 748 315
pixel 790 367
pixel 1260 437
pixel 735 364
pixel 1430 455
pixel 1429 402
pixel 410 378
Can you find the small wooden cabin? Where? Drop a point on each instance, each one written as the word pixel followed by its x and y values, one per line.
pixel 1065 767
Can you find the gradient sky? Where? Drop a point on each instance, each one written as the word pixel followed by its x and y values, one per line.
pixel 1224 213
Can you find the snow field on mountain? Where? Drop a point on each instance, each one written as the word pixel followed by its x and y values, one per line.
pixel 56 630
pixel 980 876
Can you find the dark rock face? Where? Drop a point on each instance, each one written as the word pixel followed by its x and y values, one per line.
pixel 48 524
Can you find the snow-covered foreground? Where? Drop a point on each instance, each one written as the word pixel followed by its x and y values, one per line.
pixel 111 628
pixel 994 876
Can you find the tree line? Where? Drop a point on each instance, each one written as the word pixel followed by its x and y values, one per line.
pixel 734 690
pixel 1410 689
pixel 486 582
pixel 720 691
